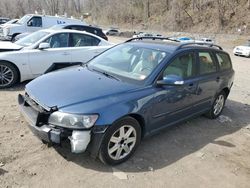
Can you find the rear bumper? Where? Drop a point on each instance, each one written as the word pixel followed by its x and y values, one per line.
pixel 79 139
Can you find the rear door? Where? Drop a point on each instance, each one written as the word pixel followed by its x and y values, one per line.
pixel 59 51
pixel 84 47
pixel 209 79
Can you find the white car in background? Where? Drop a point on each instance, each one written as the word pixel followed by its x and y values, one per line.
pixel 33 55
pixel 243 50
pixel 205 40
pixel 112 32
pixel 31 23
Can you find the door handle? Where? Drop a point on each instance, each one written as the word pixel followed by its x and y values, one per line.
pixel 218 79
pixel 65 53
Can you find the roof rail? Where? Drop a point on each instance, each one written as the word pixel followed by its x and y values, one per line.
pixel 198 43
pixel 153 38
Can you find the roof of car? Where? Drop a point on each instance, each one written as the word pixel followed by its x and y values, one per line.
pixel 171 45
pixel 69 31
pixel 78 24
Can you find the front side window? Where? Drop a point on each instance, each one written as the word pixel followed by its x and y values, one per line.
pixel 207 65
pixel 182 66
pixel 224 61
pixel 79 40
pixel 58 40
pixel 129 61
pixel 35 22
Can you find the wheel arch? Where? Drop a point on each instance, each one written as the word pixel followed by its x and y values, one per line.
pixel 226 90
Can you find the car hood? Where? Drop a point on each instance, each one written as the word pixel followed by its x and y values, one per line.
pixel 72 86
pixel 11 25
pixel 9 46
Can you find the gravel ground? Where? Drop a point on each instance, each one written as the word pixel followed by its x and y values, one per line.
pixel 197 153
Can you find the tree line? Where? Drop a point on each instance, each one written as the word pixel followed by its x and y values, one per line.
pixel 172 15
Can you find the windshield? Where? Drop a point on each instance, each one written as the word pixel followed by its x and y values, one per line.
pixel 24 19
pixel 128 61
pixel 32 38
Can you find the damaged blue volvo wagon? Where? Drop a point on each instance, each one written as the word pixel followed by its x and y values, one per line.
pixel 127 93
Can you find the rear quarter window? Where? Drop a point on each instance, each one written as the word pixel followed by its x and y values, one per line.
pixel 224 61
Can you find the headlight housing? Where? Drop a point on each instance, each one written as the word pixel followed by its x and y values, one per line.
pixel 72 120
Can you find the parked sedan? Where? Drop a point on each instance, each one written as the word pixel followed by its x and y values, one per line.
pixel 127 93
pixel 243 50
pixel 33 55
pixel 112 32
pixel 90 29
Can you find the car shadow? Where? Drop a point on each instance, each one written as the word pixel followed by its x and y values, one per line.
pixel 174 143
pixel 17 87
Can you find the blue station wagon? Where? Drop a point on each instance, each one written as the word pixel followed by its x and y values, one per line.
pixel 127 93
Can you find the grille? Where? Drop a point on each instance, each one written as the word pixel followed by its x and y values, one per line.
pixel 43 114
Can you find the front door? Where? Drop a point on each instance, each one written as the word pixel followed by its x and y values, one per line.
pixel 174 103
pixel 59 52
pixel 34 24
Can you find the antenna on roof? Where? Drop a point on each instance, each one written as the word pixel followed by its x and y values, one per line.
pixel 43 12
pixel 65 15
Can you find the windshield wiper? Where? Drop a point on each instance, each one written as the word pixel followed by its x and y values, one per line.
pixel 106 74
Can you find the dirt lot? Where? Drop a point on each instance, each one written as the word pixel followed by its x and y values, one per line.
pixel 198 153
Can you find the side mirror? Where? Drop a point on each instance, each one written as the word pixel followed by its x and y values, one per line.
pixel 43 46
pixel 172 80
pixel 29 24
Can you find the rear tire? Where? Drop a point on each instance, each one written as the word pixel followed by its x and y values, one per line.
pixel 120 141
pixel 218 106
pixel 8 75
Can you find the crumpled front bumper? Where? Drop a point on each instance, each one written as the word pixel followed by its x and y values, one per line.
pixel 79 139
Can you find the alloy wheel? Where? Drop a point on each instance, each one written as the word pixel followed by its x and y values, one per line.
pixel 122 142
pixel 218 105
pixel 6 75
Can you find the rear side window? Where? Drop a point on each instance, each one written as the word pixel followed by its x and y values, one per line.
pixel 79 40
pixel 207 65
pixel 224 61
pixel 182 66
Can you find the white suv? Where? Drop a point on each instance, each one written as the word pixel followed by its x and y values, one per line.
pixel 31 23
pixel 33 55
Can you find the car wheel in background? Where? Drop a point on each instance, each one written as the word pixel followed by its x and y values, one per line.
pixel 8 75
pixel 120 141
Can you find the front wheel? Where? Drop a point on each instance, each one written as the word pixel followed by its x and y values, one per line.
pixel 120 141
pixel 8 75
pixel 217 106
